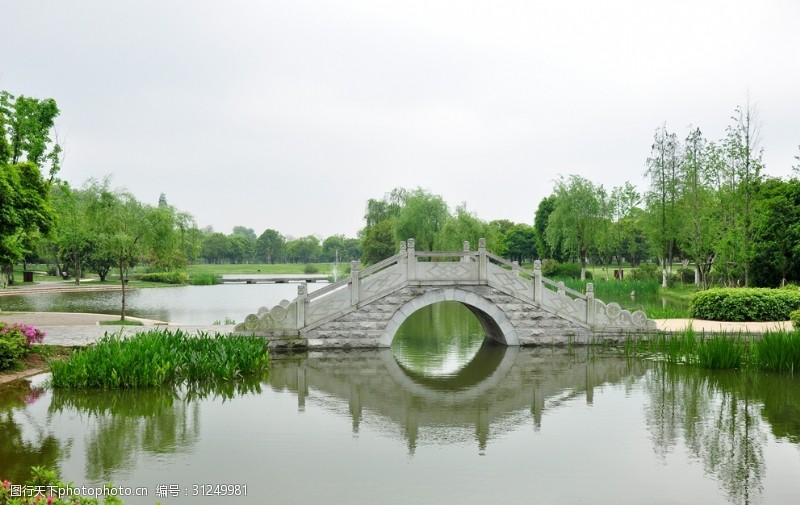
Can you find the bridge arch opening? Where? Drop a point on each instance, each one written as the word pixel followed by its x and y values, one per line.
pixel 496 325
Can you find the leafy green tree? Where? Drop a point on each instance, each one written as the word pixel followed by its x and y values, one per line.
pixel 27 123
pixel 520 243
pixel 377 242
pixel 543 248
pixel 216 247
pixel 271 246
pixel 421 218
pixel 744 167
pixel 168 228
pixel 576 216
pixel 465 225
pixel 663 169
pixel 698 208
pixel 124 235
pixel 776 233
pixel 72 233
pixel 333 249
pixel 304 249
pixel 24 210
pixel 621 204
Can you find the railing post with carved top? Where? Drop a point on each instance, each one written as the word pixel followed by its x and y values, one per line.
pixel 482 275
pixel 302 300
pixel 536 282
pixel 354 282
pixel 590 304
pixel 465 257
pixel 412 259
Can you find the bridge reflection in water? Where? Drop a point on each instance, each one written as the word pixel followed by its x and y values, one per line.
pixel 486 398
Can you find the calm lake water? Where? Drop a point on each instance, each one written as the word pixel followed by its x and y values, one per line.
pixel 439 418
pixel 180 304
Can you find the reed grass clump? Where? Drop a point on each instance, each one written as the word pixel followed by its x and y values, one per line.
pixel 205 279
pixel 616 288
pixel 777 351
pixel 160 357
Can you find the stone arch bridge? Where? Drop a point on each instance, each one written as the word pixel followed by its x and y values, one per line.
pixel 516 306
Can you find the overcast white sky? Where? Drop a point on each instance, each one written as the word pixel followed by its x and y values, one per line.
pixel 291 114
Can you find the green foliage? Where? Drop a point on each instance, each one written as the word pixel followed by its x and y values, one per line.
pixel 12 348
pixel 161 357
pixel 15 342
pixel 744 304
pixel 204 279
pixel 646 272
pixel 563 271
pixel 795 317
pixel 48 480
pixel 778 351
pixel 773 351
pixel 577 217
pixel 165 277
pixel 615 288
pixel 378 243
pixel 310 269
pixel 686 275
pixel 422 217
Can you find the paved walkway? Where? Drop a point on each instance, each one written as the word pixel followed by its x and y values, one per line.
pixel 71 330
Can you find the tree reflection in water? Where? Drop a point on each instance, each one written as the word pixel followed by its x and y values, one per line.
pixel 151 420
pixel 20 453
pixel 724 418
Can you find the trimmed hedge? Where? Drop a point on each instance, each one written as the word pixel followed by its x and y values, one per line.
pixel 795 317
pixel 165 277
pixel 744 304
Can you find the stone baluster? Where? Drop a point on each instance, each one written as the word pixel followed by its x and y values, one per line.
pixel 482 263
pixel 465 257
pixel 403 255
pixel 590 304
pixel 536 282
pixel 516 271
pixel 412 260
pixel 561 287
pixel 302 300
pixel 354 282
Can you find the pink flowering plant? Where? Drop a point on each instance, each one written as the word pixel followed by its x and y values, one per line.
pixel 16 341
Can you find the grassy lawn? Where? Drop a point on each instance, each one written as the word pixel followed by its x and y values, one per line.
pixel 260 268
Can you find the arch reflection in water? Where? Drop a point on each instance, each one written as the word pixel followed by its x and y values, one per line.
pixel 438 341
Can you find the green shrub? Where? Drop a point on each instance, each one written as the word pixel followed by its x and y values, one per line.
pixel 549 267
pixel 744 304
pixel 686 275
pixel 556 270
pixel 15 342
pixel 205 279
pixel 795 317
pixel 165 277
pixel 310 269
pixel 646 272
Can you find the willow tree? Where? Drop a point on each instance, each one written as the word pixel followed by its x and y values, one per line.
pixel 577 215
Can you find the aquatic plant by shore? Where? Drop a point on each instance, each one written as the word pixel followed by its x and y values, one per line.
pixel 777 351
pixel 160 357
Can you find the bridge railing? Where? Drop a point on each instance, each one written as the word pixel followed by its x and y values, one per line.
pixel 470 267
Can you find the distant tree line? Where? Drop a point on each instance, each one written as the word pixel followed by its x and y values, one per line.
pixel 708 207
